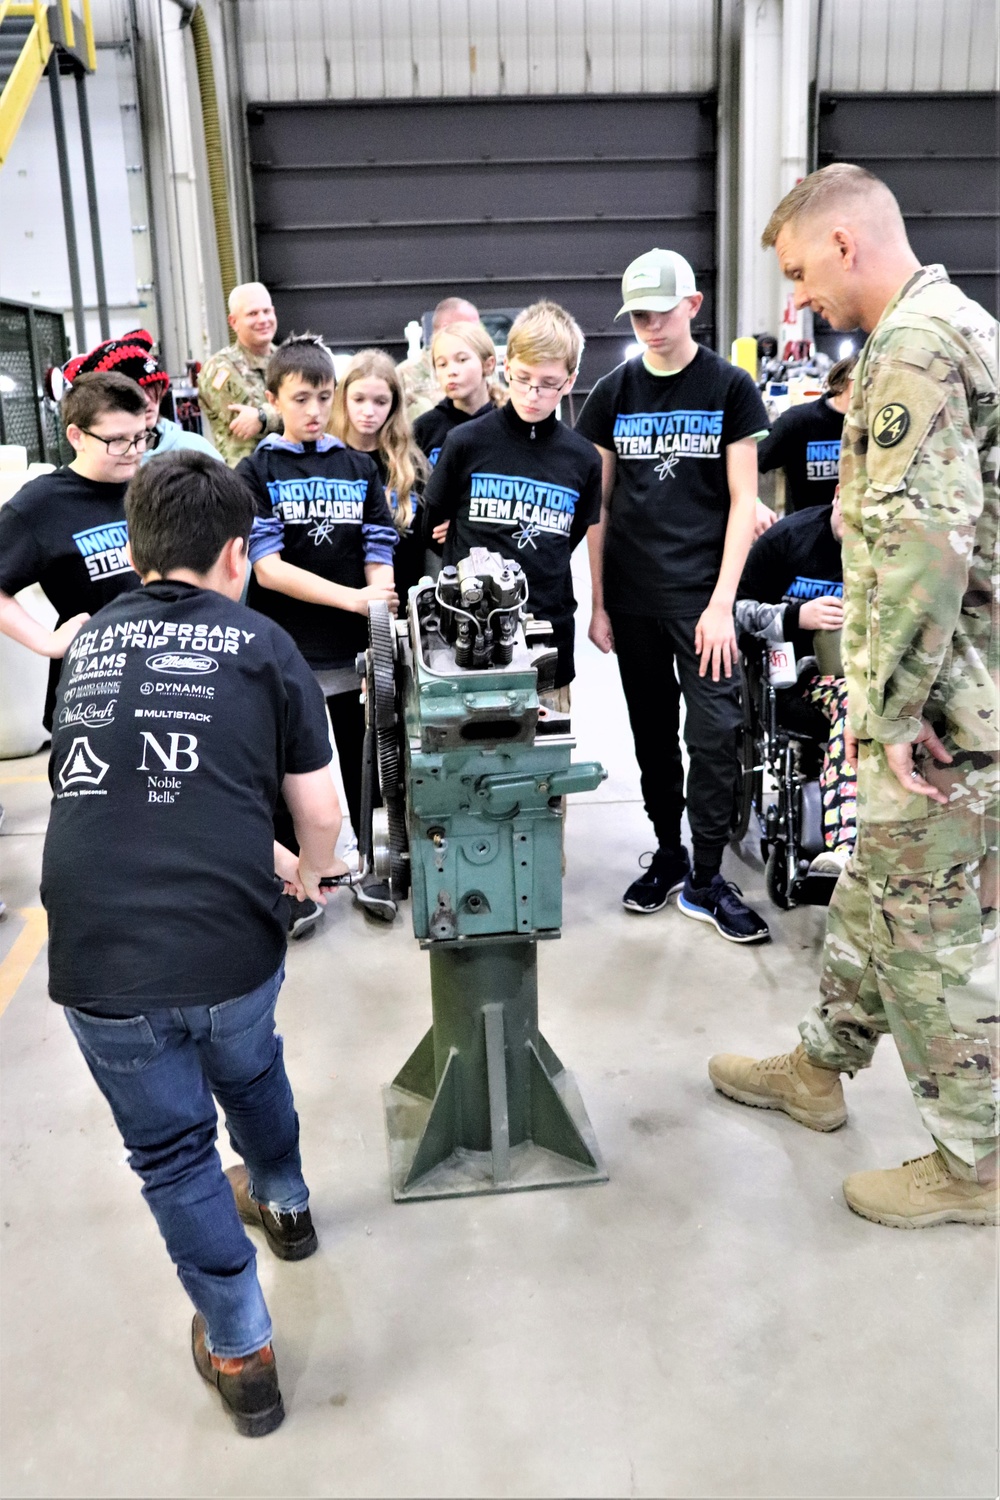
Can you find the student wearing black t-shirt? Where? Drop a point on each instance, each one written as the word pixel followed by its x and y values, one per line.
pixel 180 715
pixel 805 442
pixel 464 361
pixel 521 483
pixel 321 549
pixel 677 433
pixel 792 588
pixel 66 530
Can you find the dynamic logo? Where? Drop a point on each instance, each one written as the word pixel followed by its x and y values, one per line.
pixel 81 766
pixel 177 663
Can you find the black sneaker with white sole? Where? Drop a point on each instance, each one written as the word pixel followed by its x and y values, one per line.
pixel 722 904
pixel 666 873
pixel 303 916
pixel 375 899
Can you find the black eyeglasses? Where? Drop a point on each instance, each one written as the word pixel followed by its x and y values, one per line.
pixel 118 447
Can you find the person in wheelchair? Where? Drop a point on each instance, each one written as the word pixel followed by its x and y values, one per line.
pixel 791 592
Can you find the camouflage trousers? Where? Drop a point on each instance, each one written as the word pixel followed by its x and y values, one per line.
pixel 913 952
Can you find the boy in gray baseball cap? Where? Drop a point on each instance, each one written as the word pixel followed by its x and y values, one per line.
pixel 677 430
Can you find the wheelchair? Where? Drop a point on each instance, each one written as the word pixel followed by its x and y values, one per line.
pixel 780 746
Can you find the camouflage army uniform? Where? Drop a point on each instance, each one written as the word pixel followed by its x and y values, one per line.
pixel 234 376
pixel 911 938
pixel 420 389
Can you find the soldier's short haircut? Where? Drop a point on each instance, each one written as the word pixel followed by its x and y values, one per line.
pixel 302 354
pixel 451 310
pixel 91 396
pixel 839 183
pixel 182 510
pixel 238 293
pixel 546 331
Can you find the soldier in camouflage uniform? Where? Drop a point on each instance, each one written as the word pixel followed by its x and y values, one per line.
pixel 911 936
pixel 231 387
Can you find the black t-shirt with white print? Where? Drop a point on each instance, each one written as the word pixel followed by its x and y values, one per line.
pixel 432 427
pixel 805 442
pixel 327 508
pixel 68 534
pixel 670 505
pixel 528 491
pixel 178 715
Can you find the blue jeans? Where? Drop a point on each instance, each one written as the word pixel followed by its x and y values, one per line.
pixel 159 1071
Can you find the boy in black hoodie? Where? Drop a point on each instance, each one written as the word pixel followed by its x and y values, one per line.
pixel 521 483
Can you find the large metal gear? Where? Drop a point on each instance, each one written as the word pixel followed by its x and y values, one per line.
pixel 382 697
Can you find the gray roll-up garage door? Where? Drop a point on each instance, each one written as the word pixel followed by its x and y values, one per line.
pixel 939 155
pixel 368 214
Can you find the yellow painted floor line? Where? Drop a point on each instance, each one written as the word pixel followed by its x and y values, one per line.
pixel 26 948
pixel 20 780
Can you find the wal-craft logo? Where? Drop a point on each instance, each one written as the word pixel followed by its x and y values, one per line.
pixel 81 766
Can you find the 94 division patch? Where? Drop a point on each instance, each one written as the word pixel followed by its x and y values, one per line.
pixel 890 425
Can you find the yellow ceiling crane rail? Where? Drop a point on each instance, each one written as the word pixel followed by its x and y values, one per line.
pixel 34 54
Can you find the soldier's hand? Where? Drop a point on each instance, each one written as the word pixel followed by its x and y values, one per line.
pixel 822 614
pixel 246 423
pixel 899 759
pixel 763 519
pixel 850 745
pixel 440 532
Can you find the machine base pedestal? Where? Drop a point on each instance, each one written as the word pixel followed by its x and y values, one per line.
pixel 465 1172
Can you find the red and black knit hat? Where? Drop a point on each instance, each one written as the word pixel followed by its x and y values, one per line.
pixel 131 355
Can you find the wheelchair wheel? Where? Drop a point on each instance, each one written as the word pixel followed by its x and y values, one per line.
pixel 776 877
pixel 745 790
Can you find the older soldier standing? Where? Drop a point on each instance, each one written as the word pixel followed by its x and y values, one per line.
pixel 910 944
pixel 231 384
pixel 420 387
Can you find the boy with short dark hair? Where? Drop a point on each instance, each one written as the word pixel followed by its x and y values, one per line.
pixel 677 433
pixel 166 917
pixel 520 482
pixel 66 530
pixel 321 550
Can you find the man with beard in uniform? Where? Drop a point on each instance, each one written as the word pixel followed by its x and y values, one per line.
pixel 910 945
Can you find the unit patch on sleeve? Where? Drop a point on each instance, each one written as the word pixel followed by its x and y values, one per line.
pixel 890 425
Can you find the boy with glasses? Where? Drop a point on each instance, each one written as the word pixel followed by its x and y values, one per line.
pixel 66 530
pixel 520 482
pixel 676 430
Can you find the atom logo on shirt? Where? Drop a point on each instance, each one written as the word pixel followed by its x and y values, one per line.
pixel 657 434
pixel 527 507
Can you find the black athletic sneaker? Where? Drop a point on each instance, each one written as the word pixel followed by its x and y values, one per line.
pixel 666 873
pixel 721 904
pixel 303 917
pixel 375 899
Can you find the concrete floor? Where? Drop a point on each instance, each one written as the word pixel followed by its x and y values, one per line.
pixel 712 1322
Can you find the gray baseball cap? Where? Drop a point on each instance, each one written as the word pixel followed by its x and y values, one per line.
pixel 656 282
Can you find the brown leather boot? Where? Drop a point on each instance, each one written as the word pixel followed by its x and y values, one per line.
pixel 290 1236
pixel 790 1082
pixel 248 1386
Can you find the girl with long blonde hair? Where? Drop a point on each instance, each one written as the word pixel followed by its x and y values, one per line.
pixel 369 415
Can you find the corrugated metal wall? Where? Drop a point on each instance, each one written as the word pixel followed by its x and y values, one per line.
pixel 909 46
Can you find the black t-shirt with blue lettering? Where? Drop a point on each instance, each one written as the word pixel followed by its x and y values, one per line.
pixel 67 534
pixel 528 491
pixel 432 427
pixel 805 442
pixel 796 560
pixel 328 504
pixel 178 715
pixel 670 505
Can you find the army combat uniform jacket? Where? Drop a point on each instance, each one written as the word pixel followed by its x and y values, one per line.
pixel 234 377
pixel 919 495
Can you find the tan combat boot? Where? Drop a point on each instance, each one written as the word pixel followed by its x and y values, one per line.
pixel 920 1193
pixel 812 1095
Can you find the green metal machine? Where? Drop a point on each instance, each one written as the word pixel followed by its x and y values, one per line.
pixel 473 773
